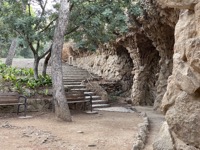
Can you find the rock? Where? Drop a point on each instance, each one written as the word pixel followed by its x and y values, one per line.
pixel 183 4
pixel 41 104
pixel 141 137
pixel 186 78
pixel 197 20
pixel 80 132
pixel 192 54
pixel 111 67
pixel 180 145
pixel 181 102
pixel 164 140
pixel 92 145
pixel 184 119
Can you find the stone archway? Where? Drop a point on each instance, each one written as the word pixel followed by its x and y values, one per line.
pixel 145 59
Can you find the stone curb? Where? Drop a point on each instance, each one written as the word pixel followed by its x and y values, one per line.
pixel 142 134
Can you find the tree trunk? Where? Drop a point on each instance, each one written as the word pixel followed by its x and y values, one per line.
pixel 35 66
pixel 11 52
pixel 44 71
pixel 61 106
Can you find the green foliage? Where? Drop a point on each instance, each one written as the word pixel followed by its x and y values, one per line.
pixel 135 9
pixel 5 38
pixel 33 27
pixel 32 23
pixel 97 22
pixel 91 23
pixel 22 78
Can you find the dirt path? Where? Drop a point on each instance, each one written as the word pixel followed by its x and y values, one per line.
pixel 156 119
pixel 103 131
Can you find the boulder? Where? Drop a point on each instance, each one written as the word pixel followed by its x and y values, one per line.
pixel 164 141
pixel 181 4
pixel 181 102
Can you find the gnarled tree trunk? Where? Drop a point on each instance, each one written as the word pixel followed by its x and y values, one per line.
pixel 46 61
pixel 11 52
pixel 61 106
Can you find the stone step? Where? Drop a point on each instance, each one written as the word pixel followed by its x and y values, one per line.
pixel 76 74
pixel 72 71
pixel 72 83
pixel 90 93
pixel 72 80
pixel 82 89
pixel 66 69
pixel 100 105
pixel 95 97
pixel 99 102
pixel 75 71
pixel 74 86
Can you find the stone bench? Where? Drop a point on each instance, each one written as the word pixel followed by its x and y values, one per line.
pixel 7 99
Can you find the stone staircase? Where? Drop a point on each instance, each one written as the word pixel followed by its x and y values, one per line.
pixel 73 78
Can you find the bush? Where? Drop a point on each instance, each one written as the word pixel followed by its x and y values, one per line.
pixel 22 78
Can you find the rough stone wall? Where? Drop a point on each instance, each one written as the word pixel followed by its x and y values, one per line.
pixel 181 102
pixel 116 66
pixel 158 24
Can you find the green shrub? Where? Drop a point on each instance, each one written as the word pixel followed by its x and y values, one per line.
pixel 22 78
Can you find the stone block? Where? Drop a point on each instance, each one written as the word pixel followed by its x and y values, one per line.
pixel 164 140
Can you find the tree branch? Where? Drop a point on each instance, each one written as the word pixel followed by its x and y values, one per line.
pixel 71 7
pixel 48 25
pixel 75 28
pixel 38 45
pixel 29 9
pixel 29 43
pixel 42 13
pixel 72 30
pixel 31 46
pixel 49 50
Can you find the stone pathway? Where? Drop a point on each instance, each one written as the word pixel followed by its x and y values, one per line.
pixel 156 119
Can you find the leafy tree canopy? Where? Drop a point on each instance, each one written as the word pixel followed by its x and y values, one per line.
pixel 27 23
pixel 91 22
pixel 97 22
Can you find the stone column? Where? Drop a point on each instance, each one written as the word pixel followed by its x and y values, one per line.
pixel 145 59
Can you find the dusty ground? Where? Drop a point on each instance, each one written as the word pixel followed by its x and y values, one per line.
pixel 102 131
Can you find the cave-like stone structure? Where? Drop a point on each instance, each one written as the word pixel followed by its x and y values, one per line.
pixel 145 59
pixel 149 59
pixel 158 24
pixel 151 69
